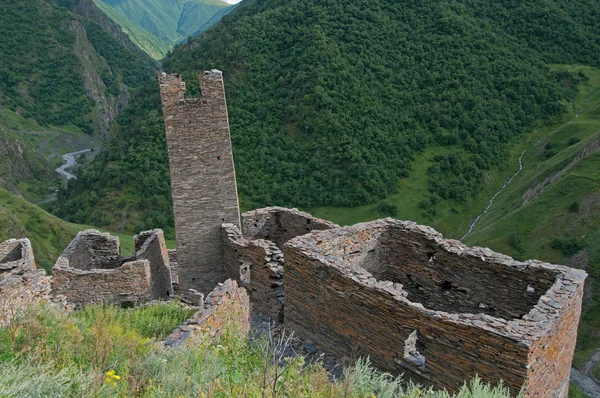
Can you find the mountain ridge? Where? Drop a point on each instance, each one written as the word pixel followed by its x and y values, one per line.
pixel 156 26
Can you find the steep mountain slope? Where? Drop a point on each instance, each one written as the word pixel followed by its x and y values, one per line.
pixel 49 235
pixel 331 102
pixel 66 73
pixel 155 26
pixel 60 68
pixel 127 187
pixel 22 168
pixel 551 210
pixel 354 102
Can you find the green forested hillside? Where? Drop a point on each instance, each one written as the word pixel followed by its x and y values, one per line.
pixel 66 71
pixel 59 68
pixel 343 103
pixel 155 26
pixel 127 187
pixel 332 101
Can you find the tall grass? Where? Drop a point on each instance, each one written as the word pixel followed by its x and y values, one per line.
pixel 111 352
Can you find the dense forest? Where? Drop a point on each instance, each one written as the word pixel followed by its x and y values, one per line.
pixel 45 51
pixel 330 101
pixel 127 187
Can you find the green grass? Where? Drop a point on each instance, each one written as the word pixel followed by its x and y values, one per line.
pixel 149 43
pixel 576 392
pixel 110 352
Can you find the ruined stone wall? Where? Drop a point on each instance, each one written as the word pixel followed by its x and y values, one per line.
pixel 16 256
pixel 551 356
pixel 332 300
pixel 129 283
pixel 202 177
pixel 91 250
pixel 443 280
pixel 151 246
pixel 279 224
pixel 18 292
pixel 89 272
pixel 258 265
pixel 225 310
pixel 21 284
pixel 255 258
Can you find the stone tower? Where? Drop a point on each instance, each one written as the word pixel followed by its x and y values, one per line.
pixel 202 176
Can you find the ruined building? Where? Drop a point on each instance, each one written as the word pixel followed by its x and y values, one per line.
pixel 91 270
pixel 21 284
pixel 433 309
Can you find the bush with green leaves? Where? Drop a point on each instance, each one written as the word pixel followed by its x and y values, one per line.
pixel 568 246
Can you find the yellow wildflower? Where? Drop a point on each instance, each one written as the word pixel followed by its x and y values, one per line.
pixel 111 378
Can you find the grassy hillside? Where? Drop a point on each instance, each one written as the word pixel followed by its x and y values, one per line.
pixel 155 26
pixel 49 235
pixel 551 210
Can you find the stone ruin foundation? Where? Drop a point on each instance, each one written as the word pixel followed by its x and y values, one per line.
pixel 21 284
pixel 91 270
pixel 434 309
pixel 225 310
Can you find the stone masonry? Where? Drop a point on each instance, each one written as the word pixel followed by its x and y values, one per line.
pixel 226 309
pixel 434 309
pixel 21 284
pixel 255 259
pixel 202 177
pixel 151 246
pixel 91 270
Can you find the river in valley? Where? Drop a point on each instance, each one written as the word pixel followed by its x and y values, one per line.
pixel 70 160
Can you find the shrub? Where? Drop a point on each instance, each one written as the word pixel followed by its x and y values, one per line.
pixel 568 247
pixel 515 241
pixel 387 209
pixel 574 207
